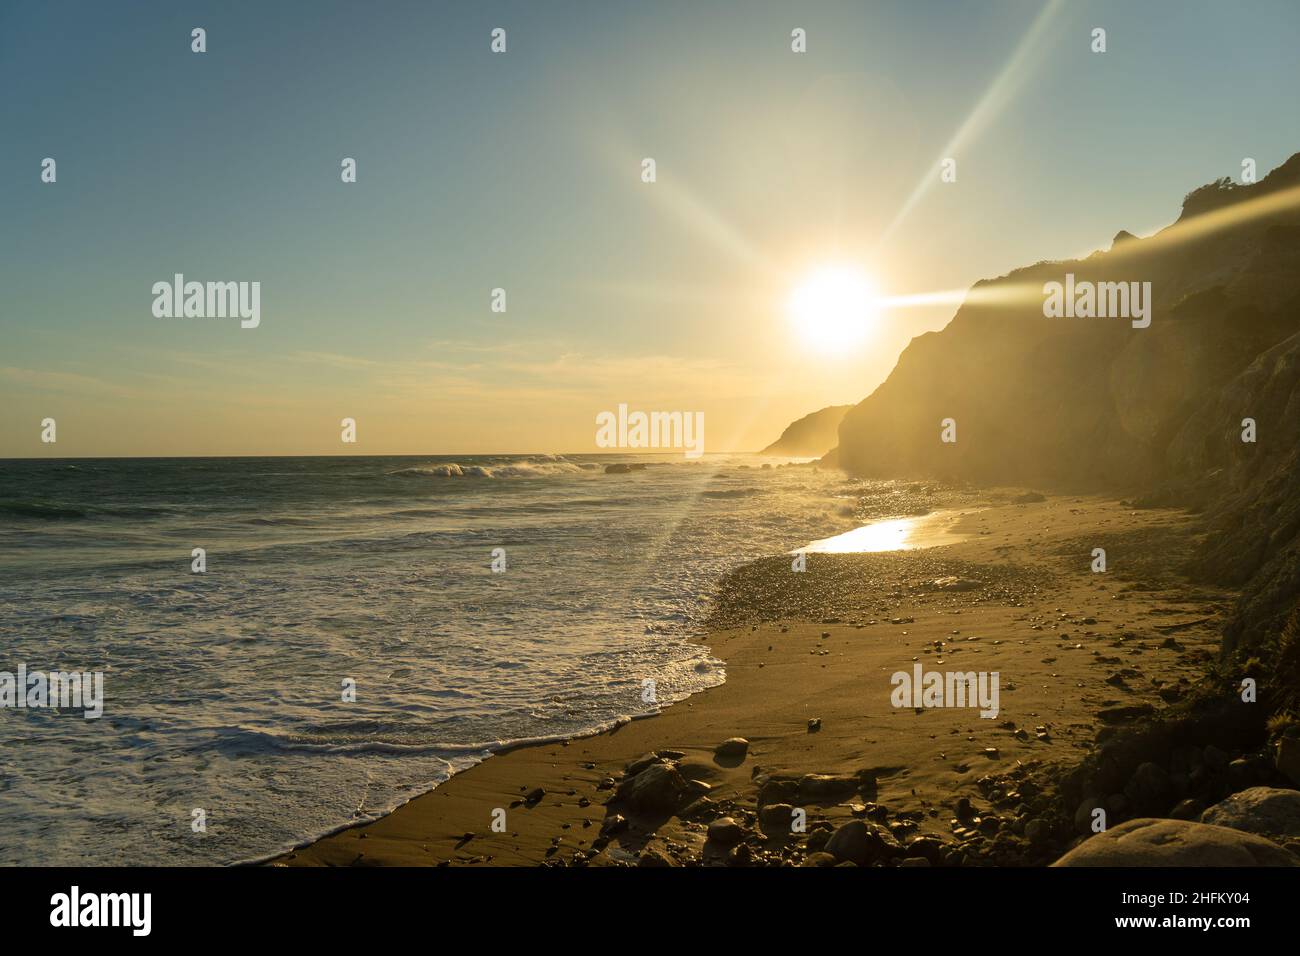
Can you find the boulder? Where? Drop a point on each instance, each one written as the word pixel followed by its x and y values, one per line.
pixel 1148 842
pixel 726 831
pixel 732 748
pixel 653 856
pixel 826 787
pixel 1268 811
pixel 861 843
pixel 634 767
pixel 775 818
pixel 659 788
pixel 778 790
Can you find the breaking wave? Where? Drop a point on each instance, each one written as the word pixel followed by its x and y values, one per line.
pixel 528 468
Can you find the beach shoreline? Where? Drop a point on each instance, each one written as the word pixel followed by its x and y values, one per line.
pixel 1011 591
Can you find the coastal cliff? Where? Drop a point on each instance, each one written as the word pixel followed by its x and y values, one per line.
pixel 814 434
pixel 1199 409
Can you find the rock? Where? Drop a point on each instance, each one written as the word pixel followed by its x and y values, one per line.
pixel 1188 809
pixel 819 859
pixel 1267 811
pixel 659 788
pixel 816 841
pixel 701 808
pixel 725 831
pixel 618 469
pixel 653 856
pixel 734 747
pixel 1215 759
pixel 775 818
pixel 614 824
pixel 640 763
pixel 696 788
pixel 814 724
pixel 860 843
pixel 915 861
pixel 1036 831
pixel 1084 814
pixel 1149 790
pixel 928 847
pixel 778 790
pixel 740 855
pixel 1288 759
pixel 1150 842
pixel 826 787
pixel 534 796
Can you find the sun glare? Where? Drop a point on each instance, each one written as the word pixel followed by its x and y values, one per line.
pixel 834 308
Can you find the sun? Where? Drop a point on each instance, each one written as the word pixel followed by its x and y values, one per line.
pixel 834 307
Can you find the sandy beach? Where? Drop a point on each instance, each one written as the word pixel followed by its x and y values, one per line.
pixel 1006 587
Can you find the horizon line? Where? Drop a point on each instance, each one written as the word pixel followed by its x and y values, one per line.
pixel 481 454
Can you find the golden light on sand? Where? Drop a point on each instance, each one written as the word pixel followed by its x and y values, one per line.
pixel 834 308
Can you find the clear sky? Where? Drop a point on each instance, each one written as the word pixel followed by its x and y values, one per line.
pixel 522 170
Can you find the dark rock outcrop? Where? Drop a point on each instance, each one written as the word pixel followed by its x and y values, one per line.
pixel 812 435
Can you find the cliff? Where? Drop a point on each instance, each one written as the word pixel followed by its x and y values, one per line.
pixel 813 435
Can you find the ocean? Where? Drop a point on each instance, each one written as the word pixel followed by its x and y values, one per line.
pixel 224 691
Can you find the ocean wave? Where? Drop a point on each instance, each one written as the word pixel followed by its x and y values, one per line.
pixel 733 493
pixel 45 510
pixel 535 468
pixel 41 510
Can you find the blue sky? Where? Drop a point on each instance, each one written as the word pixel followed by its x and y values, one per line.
pixel 521 171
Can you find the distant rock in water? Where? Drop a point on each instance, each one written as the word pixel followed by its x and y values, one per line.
pixel 811 436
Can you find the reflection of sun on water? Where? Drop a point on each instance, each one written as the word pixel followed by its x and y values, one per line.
pixel 900 534
pixel 881 536
pixel 834 308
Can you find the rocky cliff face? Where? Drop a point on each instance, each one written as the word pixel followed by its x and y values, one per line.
pixel 812 435
pixel 1093 402
pixel 1097 404
pixel 1250 491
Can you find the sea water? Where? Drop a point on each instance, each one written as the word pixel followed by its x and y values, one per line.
pixel 224 691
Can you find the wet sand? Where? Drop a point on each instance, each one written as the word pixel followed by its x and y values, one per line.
pixel 1011 590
